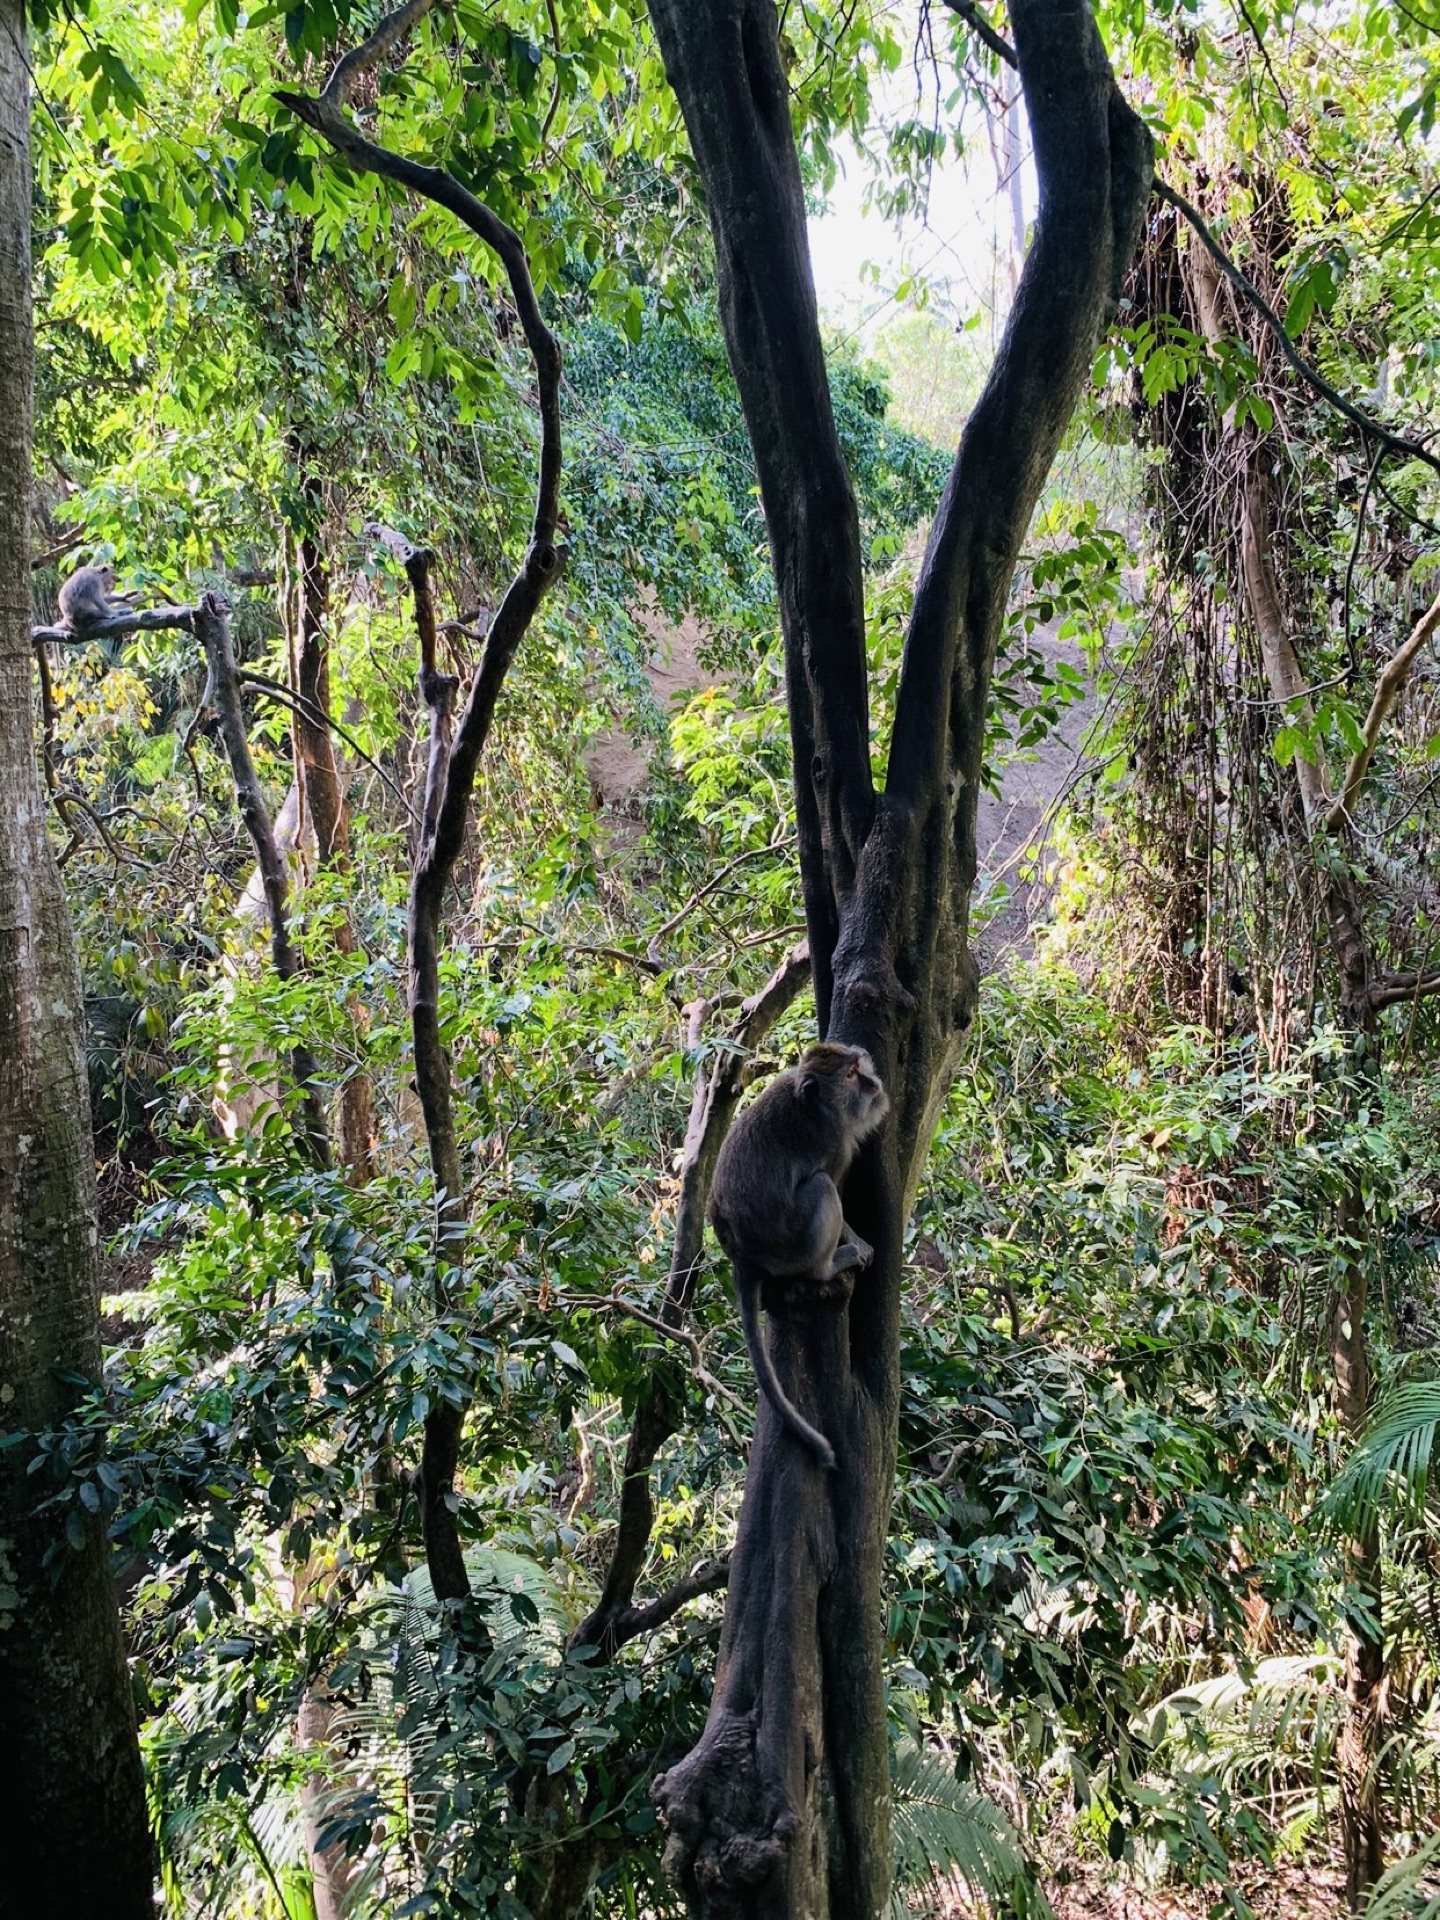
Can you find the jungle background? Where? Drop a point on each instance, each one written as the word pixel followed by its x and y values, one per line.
pixel 1160 1496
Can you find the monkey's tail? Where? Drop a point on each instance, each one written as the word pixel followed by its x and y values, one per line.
pixel 747 1292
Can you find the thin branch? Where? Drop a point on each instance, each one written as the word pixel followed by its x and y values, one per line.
pixel 589 1302
pixel 1372 471
pixel 212 629
pixel 120 855
pixel 1388 688
pixel 297 703
pixel 58 552
pixel 1371 428
pixel 555 91
pixel 982 29
pixel 777 845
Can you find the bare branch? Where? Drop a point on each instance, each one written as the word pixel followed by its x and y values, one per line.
pixel 151 620
pixel 1388 688
pixel 297 703
pixel 212 629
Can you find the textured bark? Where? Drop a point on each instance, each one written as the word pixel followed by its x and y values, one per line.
pixel 73 1826
pixel 782 1808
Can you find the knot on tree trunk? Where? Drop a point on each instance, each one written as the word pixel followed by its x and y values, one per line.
pixel 729 1830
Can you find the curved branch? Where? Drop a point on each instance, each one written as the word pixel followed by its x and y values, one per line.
pixel 453 759
pixel 1388 688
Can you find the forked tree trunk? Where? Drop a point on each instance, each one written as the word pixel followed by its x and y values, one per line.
pixel 783 1807
pixel 74 1835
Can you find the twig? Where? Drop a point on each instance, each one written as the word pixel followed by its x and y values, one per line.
pixel 681 1335
pixel 718 879
pixel 298 703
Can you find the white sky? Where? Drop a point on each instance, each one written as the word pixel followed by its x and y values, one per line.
pixel 955 246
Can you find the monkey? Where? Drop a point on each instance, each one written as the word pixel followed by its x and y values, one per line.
pixel 86 599
pixel 775 1201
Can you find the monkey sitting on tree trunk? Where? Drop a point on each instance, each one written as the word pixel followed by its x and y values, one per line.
pixel 775 1201
pixel 86 599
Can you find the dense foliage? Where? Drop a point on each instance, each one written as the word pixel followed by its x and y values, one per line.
pixel 1120 1585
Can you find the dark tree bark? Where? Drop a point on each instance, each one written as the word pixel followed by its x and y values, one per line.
pixel 783 1806
pixel 73 1827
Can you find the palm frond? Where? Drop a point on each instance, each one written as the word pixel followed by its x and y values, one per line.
pixel 944 1827
pixel 1391 1457
pixel 1410 1890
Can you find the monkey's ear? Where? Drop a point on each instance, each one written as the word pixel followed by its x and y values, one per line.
pixel 807 1083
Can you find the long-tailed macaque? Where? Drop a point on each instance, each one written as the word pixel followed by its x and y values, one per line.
pixel 86 599
pixel 775 1201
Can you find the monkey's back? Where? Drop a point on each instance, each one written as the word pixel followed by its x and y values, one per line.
pixel 778 1143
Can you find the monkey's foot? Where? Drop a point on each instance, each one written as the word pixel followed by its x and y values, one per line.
pixel 852 1252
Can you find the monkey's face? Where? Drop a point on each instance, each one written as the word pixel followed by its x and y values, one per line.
pixel 846 1079
pixel 866 1100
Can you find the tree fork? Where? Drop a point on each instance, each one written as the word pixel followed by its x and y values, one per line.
pixel 782 1808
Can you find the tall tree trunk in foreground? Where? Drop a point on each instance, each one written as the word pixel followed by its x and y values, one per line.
pixel 782 1807
pixel 73 1829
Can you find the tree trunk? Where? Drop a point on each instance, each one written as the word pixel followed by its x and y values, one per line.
pixel 783 1807
pixel 1357 1752
pixel 73 1825
pixel 322 800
